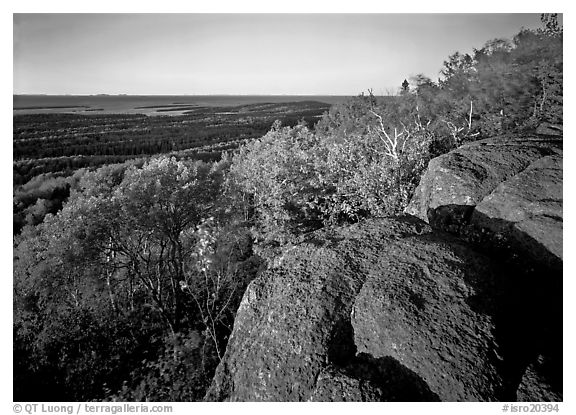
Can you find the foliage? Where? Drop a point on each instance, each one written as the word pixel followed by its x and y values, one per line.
pixel 276 171
pixel 366 155
pixel 299 180
pixel 117 255
pixel 405 87
pixel 223 267
pixel 182 372
pixel 512 86
pixel 44 143
pixel 43 194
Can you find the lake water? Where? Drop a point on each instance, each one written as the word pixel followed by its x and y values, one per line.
pixel 133 104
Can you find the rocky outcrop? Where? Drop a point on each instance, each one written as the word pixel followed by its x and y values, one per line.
pixel 503 192
pixel 460 303
pixel 525 212
pixel 504 195
pixel 382 310
pixel 435 320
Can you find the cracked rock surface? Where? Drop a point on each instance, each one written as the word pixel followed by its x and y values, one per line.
pixel 502 192
pixel 380 310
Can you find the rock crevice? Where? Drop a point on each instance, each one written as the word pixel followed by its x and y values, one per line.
pixel 516 209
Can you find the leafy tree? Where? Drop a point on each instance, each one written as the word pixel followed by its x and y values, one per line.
pixel 550 24
pixel 276 172
pixel 118 255
pixel 223 267
pixel 405 87
pixel 512 86
pixel 299 180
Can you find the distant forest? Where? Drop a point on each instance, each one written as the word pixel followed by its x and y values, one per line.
pixel 45 143
pixel 128 274
pixel 50 149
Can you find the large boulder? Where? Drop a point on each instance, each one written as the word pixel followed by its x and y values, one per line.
pixel 435 320
pixel 381 310
pixel 503 192
pixel 525 211
pixel 504 195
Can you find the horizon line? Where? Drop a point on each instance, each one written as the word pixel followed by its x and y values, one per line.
pixel 191 95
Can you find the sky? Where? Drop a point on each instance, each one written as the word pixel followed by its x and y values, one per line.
pixel 253 54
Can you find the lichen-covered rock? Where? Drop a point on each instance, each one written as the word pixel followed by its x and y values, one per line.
pixel 381 310
pixel 335 386
pixel 525 211
pixel 463 177
pixel 287 325
pixel 505 192
pixel 434 315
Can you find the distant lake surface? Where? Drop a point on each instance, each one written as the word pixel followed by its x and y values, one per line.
pixel 147 104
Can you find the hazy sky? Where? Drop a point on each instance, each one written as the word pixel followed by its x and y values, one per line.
pixel 323 54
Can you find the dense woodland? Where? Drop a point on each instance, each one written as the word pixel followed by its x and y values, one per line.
pixel 127 277
pixel 51 151
pixel 44 143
